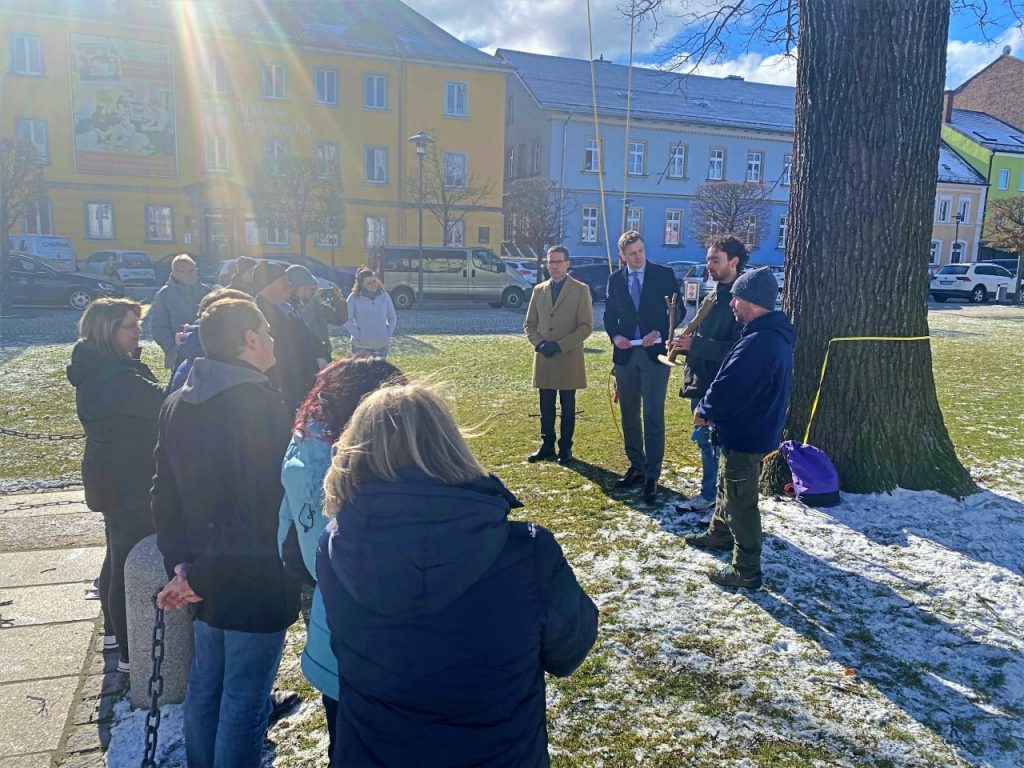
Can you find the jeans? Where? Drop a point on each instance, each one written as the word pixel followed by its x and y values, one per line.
pixel 567 397
pixel 123 531
pixel 367 352
pixel 642 384
pixel 708 457
pixel 228 699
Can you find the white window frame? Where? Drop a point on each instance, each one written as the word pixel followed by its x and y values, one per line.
pixel 591 155
pixel 456 235
pixel 673 226
pixel 372 83
pixel 217 80
pixel 637 165
pixel 452 163
pixel 35 126
pixel 963 209
pixel 755 164
pixel 99 211
pixel 958 258
pixel 26 55
pixel 934 252
pixel 275 234
pixel 376 230
pixel 252 229
pixel 215 152
pixel 535 160
pixel 456 98
pixel 42 215
pixel 677 161
pixel 510 161
pixel 151 221
pixel 782 230
pixel 787 170
pixel 325 87
pixel 943 209
pixel 275 79
pixel 375 164
pixel 1004 178
pixel 274 150
pixel 751 230
pixel 634 219
pixel 326 153
pixel 588 224
pixel 716 164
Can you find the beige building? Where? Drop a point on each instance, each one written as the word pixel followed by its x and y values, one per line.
pixel 959 211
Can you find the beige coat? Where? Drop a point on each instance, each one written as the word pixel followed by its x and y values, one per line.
pixel 569 322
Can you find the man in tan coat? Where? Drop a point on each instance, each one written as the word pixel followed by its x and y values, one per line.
pixel 558 321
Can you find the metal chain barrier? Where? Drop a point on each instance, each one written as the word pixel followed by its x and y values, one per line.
pixel 25 506
pixel 38 435
pixel 156 688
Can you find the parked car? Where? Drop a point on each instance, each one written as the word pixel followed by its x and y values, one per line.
pixel 343 276
pixel 694 271
pixel 778 270
pixel 1010 265
pixel 208 266
pixel 977 282
pixel 129 267
pixel 596 278
pixel 223 275
pixel 682 268
pixel 526 268
pixel 56 251
pixel 35 282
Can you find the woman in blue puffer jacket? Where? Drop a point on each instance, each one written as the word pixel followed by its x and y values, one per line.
pixel 318 422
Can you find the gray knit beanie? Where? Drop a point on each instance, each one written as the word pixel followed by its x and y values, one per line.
pixel 758 286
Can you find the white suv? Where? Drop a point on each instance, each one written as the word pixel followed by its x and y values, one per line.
pixel 977 282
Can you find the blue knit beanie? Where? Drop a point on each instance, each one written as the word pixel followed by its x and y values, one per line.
pixel 758 286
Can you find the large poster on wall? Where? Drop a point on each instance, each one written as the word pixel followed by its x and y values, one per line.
pixel 122 101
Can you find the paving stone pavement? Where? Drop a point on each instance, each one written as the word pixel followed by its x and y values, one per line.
pixel 57 691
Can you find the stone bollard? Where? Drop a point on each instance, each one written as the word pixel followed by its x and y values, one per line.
pixel 144 576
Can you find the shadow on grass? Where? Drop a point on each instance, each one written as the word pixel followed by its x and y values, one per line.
pixel 605 479
pixel 959 687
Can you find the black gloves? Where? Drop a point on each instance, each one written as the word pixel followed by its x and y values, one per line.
pixel 548 348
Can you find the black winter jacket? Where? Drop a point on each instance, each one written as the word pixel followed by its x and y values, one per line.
pixel 711 343
pixel 117 400
pixel 621 317
pixel 217 492
pixel 296 349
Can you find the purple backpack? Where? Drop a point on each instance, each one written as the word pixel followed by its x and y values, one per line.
pixel 815 480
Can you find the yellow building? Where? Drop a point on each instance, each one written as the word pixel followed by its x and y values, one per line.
pixel 152 117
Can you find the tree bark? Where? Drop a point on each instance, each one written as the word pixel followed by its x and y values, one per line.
pixel 869 92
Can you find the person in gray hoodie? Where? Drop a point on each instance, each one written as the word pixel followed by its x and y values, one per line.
pixel 371 315
pixel 175 305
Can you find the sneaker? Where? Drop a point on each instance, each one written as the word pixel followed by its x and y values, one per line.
pixel 710 543
pixel 92 594
pixel 124 666
pixel 109 643
pixel 697 504
pixel 730 577
pixel 281 703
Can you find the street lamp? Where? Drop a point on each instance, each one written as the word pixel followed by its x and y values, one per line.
pixel 421 140
pixel 956 237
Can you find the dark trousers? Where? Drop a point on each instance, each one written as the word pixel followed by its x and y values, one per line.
pixel 567 426
pixel 331 713
pixel 123 531
pixel 736 513
pixel 642 384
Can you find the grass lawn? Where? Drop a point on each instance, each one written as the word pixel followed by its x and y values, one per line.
pixel 682 673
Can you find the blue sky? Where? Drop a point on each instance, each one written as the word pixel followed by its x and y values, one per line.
pixel 559 27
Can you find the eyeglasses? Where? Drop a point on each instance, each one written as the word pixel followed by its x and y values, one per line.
pixel 136 326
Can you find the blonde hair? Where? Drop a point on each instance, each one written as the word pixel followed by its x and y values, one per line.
pixel 398 427
pixel 99 323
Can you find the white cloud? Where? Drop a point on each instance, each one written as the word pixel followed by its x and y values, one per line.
pixel 966 58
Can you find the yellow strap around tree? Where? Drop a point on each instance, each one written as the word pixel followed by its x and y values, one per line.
pixel 824 365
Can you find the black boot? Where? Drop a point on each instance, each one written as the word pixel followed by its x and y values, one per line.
pixel 546 452
pixel 565 454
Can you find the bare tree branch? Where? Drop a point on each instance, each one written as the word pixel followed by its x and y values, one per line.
pixel 730 208
pixel 449 191
pixel 536 213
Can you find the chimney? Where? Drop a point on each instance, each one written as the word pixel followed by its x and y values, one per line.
pixel 947 106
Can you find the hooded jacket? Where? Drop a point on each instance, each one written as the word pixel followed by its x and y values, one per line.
pixel 747 400
pixel 444 617
pixel 217 491
pixel 174 305
pixel 117 400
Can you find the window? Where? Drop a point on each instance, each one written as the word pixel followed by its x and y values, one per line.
pixel 483 235
pixel 455 99
pixel 217 76
pixel 26 55
pixel 750 230
pixel 326 86
pixel 456 236
pixel 673 227
pixel 677 162
pixel 274 151
pixel 277 233
pixel 592 155
pixel 634 219
pixel 943 209
pixel 963 210
pixel 1004 178
pixel 956 252
pixel 637 150
pixel 521 160
pixel 484 258
pixel 783 225
pixel 509 114
pixel 39 220
pixel 99 221
pixel 216 151
pixel 375 92
pixel 588 228
pixel 754 162
pixel 787 170
pixel 328 239
pixel 159 223
pixel 34 130
pixel 454 170
pixel 252 229
pixel 933 251
pixel 273 81
pixel 376 165
pixel 510 162
pixel 536 156
pixel 376 231
pixel 326 159
pixel 716 164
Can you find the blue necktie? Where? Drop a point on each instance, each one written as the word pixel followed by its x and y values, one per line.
pixel 634 292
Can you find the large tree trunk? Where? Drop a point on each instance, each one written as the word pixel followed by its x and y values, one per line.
pixel 869 92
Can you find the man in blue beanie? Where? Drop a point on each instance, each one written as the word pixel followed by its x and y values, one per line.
pixel 746 407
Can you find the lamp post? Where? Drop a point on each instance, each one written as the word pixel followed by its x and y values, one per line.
pixel 956 236
pixel 421 140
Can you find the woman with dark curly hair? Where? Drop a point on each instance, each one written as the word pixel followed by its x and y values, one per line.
pixel 118 400
pixel 318 423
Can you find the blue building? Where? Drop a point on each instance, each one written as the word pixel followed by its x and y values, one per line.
pixel 684 131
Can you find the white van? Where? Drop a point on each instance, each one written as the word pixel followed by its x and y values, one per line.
pixel 57 251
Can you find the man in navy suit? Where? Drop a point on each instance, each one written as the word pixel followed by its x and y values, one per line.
pixel 636 319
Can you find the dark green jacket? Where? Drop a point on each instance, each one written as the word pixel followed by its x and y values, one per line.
pixel 712 342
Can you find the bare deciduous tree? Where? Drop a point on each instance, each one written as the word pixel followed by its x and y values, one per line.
pixel 536 213
pixel 22 188
pixel 730 208
pixel 450 192
pixel 1005 229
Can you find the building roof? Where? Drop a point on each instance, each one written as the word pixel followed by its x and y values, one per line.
pixel 564 84
pixel 381 27
pixel 953 169
pixel 987 131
